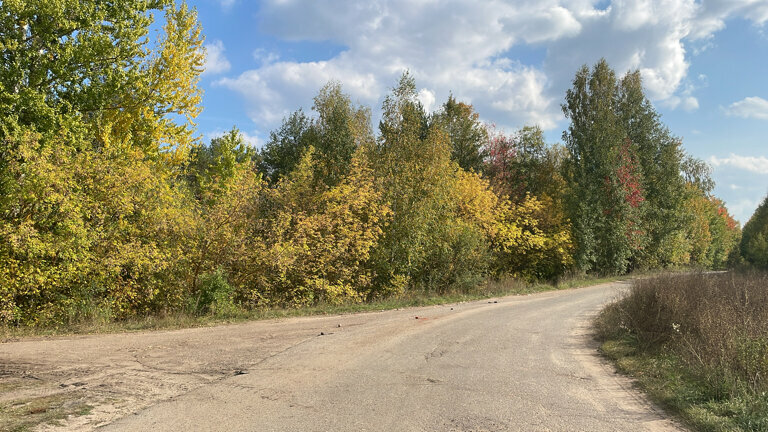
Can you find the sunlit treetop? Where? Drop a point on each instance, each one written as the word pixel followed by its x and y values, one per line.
pixel 95 70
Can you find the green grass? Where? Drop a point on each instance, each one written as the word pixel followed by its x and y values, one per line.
pixel 696 343
pixel 671 384
pixel 23 415
pixel 409 299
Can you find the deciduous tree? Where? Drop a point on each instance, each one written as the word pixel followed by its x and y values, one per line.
pixel 468 135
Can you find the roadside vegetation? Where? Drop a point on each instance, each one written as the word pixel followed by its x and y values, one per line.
pixel 698 344
pixel 26 414
pixel 234 313
pixel 112 209
pixel 754 242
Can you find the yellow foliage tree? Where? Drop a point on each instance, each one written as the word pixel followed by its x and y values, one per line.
pixel 145 115
pixel 524 240
pixel 88 232
pixel 524 247
pixel 313 243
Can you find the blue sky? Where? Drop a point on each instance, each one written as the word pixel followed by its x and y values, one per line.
pixel 703 63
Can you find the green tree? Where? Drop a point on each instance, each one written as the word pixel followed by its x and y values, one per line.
pixel 335 134
pixel 95 119
pixel 87 69
pixel 601 168
pixel 660 158
pixel 286 145
pixel 467 134
pixel 523 164
pixel 210 168
pixel 428 244
pixel 698 174
pixel 340 128
pixel 754 240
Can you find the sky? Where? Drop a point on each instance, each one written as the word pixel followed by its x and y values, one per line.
pixel 703 64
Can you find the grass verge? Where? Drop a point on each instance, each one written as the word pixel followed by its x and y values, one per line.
pixel 697 344
pixel 409 299
pixel 23 415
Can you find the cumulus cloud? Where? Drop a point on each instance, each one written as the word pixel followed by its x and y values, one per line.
pixel 750 107
pixel 687 103
pixel 463 47
pixel 427 99
pixel 547 24
pixel 265 57
pixel 710 15
pixel 276 89
pixel 755 164
pixel 215 60
pixel 251 140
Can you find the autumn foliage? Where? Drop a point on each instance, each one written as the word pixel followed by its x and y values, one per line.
pixel 110 207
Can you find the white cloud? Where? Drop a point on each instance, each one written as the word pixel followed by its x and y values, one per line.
pixel 710 15
pixel 275 90
pixel 464 46
pixel 684 99
pixel 427 99
pixel 215 61
pixel 742 209
pixel 265 57
pixel 548 24
pixel 750 107
pixel 687 103
pixel 252 140
pixel 755 164
pixel 690 103
pixel 227 4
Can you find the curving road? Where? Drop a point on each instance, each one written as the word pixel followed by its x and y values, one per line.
pixel 523 363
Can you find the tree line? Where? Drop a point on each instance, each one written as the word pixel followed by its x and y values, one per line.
pixel 111 205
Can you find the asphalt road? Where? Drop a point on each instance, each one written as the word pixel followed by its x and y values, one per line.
pixel 525 363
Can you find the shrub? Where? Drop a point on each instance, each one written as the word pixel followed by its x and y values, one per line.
pixel 716 322
pixel 85 229
pixel 311 243
pixel 214 294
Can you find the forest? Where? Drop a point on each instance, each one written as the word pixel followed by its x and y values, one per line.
pixel 111 203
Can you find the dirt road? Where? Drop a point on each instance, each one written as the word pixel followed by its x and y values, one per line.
pixel 520 364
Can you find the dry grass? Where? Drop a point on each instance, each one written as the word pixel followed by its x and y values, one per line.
pixel 25 415
pixel 701 341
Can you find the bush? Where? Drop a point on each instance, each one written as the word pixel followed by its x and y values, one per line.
pixel 717 323
pixel 82 230
pixel 311 243
pixel 214 295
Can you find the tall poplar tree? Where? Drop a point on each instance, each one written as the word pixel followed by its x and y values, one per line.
pixel 660 158
pixel 602 172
